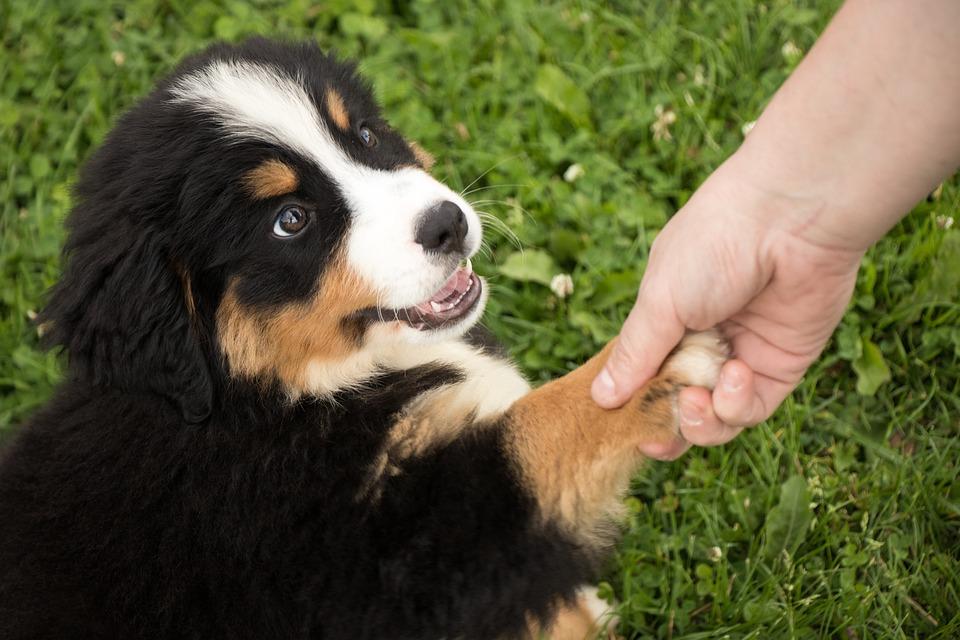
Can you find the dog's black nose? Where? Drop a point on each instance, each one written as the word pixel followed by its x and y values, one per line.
pixel 442 229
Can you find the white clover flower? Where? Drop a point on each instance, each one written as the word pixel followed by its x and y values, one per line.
pixel 699 79
pixel 573 172
pixel 791 52
pixel 561 285
pixel 661 127
pixel 118 58
pixel 747 127
pixel 944 222
pixel 715 554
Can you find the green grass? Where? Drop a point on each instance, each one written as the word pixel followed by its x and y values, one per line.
pixel 725 542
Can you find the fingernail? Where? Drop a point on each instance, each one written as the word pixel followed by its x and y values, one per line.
pixel 665 450
pixel 731 380
pixel 604 385
pixel 690 414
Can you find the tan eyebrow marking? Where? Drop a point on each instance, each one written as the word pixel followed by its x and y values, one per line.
pixel 272 178
pixel 424 157
pixel 337 110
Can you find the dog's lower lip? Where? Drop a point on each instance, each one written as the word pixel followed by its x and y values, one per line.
pixel 452 302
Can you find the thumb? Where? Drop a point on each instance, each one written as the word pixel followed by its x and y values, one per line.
pixel 650 333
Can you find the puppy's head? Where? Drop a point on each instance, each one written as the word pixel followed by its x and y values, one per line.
pixel 258 213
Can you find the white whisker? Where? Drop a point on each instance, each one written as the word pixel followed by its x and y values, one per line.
pixel 475 180
pixel 501 227
pixel 493 186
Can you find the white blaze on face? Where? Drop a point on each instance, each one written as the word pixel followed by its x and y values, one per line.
pixel 257 101
pixel 387 206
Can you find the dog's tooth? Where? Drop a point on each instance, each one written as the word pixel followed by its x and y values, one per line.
pixel 436 306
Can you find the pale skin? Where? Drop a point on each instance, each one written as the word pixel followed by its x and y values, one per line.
pixel 769 246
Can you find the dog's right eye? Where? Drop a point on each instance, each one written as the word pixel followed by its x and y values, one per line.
pixel 367 136
pixel 290 221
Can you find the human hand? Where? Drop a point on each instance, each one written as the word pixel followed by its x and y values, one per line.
pixel 744 260
pixel 768 247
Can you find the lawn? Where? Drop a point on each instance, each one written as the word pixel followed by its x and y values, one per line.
pixel 837 518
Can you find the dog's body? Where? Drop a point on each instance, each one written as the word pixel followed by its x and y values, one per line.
pixel 275 424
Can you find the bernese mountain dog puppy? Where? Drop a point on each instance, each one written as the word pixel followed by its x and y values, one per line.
pixel 276 422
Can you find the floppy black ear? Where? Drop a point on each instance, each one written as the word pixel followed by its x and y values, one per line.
pixel 122 314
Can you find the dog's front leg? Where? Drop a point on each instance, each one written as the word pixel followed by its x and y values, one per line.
pixel 577 458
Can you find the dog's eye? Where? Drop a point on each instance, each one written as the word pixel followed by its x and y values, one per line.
pixel 290 221
pixel 368 137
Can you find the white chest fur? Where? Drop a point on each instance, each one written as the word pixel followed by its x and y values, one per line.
pixel 489 387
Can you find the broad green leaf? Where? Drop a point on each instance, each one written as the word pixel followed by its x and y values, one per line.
pixel 849 345
pixel 787 523
pixel 39 167
pixel 615 288
pixel 529 266
pixel 562 93
pixel 872 370
pixel 592 324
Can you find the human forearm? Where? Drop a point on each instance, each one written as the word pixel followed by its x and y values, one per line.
pixel 768 246
pixel 866 125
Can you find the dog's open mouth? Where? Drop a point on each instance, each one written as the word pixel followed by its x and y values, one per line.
pixel 454 300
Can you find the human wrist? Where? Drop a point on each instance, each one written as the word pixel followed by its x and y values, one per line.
pixel 756 201
pixel 865 127
pixel 826 204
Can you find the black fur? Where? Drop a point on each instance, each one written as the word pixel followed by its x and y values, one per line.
pixel 120 521
pixel 156 497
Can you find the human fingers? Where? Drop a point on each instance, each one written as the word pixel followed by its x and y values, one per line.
pixel 769 393
pixel 699 424
pixel 650 332
pixel 753 385
pixel 736 401
pixel 665 450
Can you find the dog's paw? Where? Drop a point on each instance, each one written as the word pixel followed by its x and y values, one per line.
pixel 697 360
